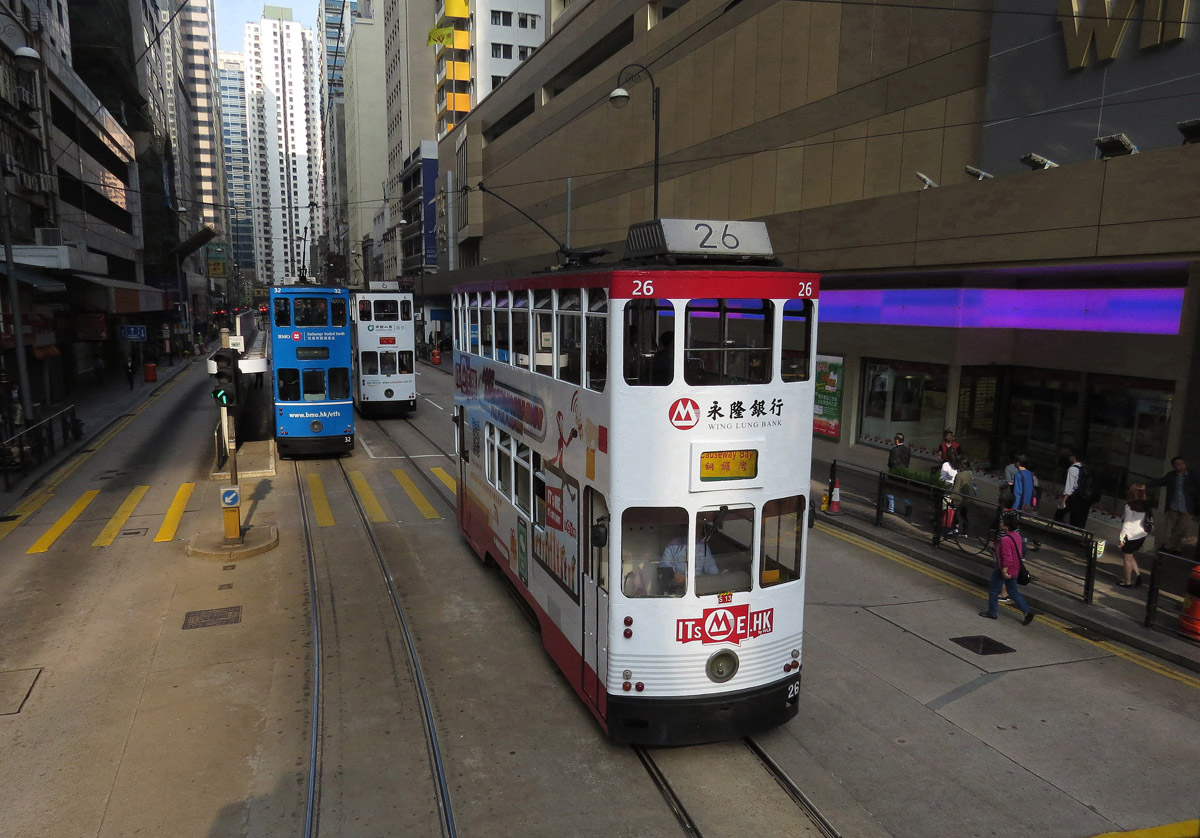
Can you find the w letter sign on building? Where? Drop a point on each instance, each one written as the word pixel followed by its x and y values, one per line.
pixel 1104 23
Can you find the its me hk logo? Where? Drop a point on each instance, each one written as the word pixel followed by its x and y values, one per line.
pixel 727 624
pixel 1103 23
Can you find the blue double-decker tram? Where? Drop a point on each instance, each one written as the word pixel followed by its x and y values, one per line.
pixel 310 358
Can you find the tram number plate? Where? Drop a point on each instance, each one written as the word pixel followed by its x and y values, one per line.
pixel 793 692
pixel 729 465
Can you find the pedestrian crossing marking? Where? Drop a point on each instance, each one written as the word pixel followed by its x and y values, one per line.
pixel 370 503
pixel 440 474
pixel 110 532
pixel 174 513
pixel 320 501
pixel 424 506
pixel 60 526
pixel 24 511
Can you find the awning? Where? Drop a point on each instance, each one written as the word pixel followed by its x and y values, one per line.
pixel 120 297
pixel 34 278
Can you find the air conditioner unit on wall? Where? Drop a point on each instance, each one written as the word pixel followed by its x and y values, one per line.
pixel 48 236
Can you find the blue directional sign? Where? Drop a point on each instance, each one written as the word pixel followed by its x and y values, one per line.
pixel 231 496
pixel 133 333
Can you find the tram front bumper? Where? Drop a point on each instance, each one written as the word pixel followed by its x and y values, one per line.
pixel 694 720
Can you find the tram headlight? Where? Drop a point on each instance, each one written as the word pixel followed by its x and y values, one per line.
pixel 722 666
pixel 387 394
pixel 315 426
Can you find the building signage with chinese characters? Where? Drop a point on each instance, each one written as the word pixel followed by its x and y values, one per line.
pixel 827 407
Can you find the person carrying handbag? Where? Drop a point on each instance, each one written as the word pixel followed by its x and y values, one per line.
pixel 1009 553
pixel 1136 524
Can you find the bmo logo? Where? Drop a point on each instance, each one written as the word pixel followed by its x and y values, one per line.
pixel 684 414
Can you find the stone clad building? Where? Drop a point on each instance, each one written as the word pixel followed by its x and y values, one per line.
pixel 1029 309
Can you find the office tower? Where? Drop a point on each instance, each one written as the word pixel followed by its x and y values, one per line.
pixel 337 18
pixel 238 188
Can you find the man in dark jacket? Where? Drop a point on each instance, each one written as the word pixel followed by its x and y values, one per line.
pixel 900 455
pixel 1183 491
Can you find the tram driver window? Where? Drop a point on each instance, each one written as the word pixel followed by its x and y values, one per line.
pixel 369 362
pixel 289 385
pixel 311 311
pixel 724 549
pixel 283 312
pixel 651 538
pixel 728 342
pixel 797 339
pixel 648 354
pixel 782 531
pixel 314 385
pixel 387 363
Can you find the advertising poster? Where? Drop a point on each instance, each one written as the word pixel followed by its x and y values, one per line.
pixel 827 410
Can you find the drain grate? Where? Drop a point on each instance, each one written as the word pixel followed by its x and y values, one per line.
pixel 109 474
pixel 138 531
pixel 981 644
pixel 229 567
pixel 225 587
pixel 4 519
pixel 213 617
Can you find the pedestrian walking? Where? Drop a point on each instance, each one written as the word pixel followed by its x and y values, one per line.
pixel 1079 492
pixel 948 443
pixel 900 455
pixel 1010 551
pixel 1183 491
pixel 129 371
pixel 1024 488
pixel 950 465
pixel 1136 524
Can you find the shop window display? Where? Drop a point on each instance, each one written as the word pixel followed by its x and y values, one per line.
pixel 903 397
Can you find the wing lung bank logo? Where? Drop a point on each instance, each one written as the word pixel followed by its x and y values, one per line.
pixel 726 624
pixel 1103 24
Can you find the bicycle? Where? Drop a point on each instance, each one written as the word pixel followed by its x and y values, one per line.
pixel 972 541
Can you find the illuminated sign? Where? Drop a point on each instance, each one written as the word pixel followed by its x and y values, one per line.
pixel 387 341
pixel 729 465
pixel 725 624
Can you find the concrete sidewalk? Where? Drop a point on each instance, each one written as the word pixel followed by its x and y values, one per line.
pixel 1115 613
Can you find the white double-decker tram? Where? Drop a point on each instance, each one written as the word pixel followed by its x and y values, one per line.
pixel 635 442
pixel 384 340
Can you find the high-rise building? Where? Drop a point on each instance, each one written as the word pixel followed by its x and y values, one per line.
pixel 198 30
pixel 285 144
pixel 238 185
pixel 336 22
pixel 365 143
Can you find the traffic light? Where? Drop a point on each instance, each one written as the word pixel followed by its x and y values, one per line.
pixel 227 377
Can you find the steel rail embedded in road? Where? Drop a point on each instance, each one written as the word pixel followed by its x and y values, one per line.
pixel 314 762
pixel 785 782
pixel 664 788
pixel 438 488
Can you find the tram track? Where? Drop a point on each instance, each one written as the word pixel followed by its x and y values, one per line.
pixel 443 801
pixel 439 489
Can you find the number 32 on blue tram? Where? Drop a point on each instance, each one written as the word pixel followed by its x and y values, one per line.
pixel 310 359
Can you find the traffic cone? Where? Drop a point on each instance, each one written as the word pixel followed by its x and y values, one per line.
pixel 835 499
pixel 1189 616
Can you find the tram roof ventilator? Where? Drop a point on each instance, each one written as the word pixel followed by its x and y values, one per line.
pixel 673 241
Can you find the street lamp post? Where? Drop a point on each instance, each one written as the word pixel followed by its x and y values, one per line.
pixel 619 98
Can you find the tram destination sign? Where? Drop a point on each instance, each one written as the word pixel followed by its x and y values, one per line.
pixel 729 465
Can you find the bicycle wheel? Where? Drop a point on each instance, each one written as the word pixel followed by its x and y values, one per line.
pixel 973 540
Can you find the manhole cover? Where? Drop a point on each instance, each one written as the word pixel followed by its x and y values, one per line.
pixel 139 531
pixel 226 587
pixel 213 617
pixel 981 644
pixel 6 518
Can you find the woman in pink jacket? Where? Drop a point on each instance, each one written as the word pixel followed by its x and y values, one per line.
pixel 1010 549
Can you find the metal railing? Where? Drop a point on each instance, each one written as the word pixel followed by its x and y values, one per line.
pixel 1173 598
pixel 25 451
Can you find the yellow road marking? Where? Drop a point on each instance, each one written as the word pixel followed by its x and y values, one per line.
pixel 111 530
pixel 319 501
pixel 174 513
pixel 60 526
pixel 440 474
pixel 1183 829
pixel 27 508
pixel 425 507
pixel 1106 645
pixel 369 501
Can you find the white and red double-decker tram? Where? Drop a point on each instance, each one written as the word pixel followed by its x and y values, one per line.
pixel 384 340
pixel 635 442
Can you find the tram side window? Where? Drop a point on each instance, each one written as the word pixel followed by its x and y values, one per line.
pixel 311 311
pixel 473 325
pixel 539 492
pixel 503 352
pixel 337 308
pixel 387 363
pixel 504 465
pixel 405 362
pixel 524 474
pixel 597 339
pixel 724 550
pixel 339 382
pixel 289 385
pixel 314 385
pixel 283 311
pixel 543 335
pixel 651 537
pixel 364 311
pixel 388 310
pixel 570 337
pixel 782 530
pixel 486 332
pixel 797 340
pixel 369 363
pixel 646 324
pixel 728 342
pixel 520 329
pixel 406 310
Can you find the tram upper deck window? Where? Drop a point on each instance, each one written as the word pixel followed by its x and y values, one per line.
pixel 724 549
pixel 289 385
pixel 728 342
pixel 311 311
pixel 543 334
pixel 473 324
pixel 388 310
pixel 368 362
pixel 569 362
pixel 337 308
pixel 314 385
pixel 486 330
pixel 406 312
pixel 647 324
pixel 521 355
pixel 283 312
pixel 597 339
pixel 500 316
pixel 339 382
pixel 650 539
pixel 797 340
pixel 782 528
pixel 364 311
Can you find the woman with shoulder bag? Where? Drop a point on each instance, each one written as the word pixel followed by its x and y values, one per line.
pixel 1009 554
pixel 1136 524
